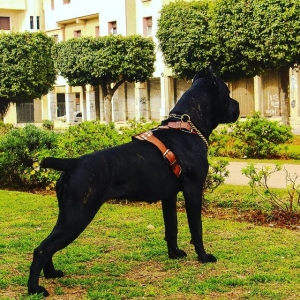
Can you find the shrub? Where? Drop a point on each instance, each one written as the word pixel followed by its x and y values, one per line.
pixel 256 137
pixel 4 128
pixel 48 124
pixel 135 127
pixel 87 137
pixel 216 174
pixel 20 151
pixel 259 179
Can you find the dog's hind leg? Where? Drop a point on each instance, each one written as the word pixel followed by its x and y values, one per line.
pixel 73 219
pixel 171 227
pixel 49 270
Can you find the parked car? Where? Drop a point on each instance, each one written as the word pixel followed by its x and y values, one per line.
pixel 77 117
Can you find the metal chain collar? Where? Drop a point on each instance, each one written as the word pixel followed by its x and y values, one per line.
pixel 188 119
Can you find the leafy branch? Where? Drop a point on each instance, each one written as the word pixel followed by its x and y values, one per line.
pixel 259 182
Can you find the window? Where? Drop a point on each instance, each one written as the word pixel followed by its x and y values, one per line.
pixel 112 27
pixel 147 22
pixel 77 33
pixel 55 37
pixel 37 22
pixel 4 23
pixel 97 31
pixel 77 102
pixel 31 22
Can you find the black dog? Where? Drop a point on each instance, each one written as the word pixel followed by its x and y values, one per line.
pixel 138 171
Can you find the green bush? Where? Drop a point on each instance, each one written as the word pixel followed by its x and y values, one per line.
pixel 135 127
pixel 87 137
pixel 20 151
pixel 216 174
pixel 48 124
pixel 263 194
pixel 256 137
pixel 4 128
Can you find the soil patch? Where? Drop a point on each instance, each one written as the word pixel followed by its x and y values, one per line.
pixel 276 218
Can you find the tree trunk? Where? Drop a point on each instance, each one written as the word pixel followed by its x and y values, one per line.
pixel 284 95
pixel 108 108
pixel 97 101
pixel 108 92
pixel 83 108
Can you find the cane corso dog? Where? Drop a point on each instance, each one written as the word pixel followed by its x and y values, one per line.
pixel 138 171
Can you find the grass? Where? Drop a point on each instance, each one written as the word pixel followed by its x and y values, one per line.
pixel 119 256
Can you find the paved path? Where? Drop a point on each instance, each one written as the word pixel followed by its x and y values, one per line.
pixel 277 179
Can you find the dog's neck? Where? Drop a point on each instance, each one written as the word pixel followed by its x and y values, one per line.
pixel 196 103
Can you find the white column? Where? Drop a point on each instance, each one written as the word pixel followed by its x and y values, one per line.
pixel 139 94
pixel 52 105
pixel 163 91
pixel 70 102
pixel 294 96
pixel 90 103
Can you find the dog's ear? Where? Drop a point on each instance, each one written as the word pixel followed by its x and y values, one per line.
pixel 211 80
pixel 200 74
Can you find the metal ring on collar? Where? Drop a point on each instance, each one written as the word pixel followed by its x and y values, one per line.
pixel 185 116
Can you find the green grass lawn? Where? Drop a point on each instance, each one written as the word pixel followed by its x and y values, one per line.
pixel 120 256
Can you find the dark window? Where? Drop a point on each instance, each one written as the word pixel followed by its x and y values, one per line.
pixel 4 23
pixel 31 22
pixel 25 112
pixel 77 101
pixel 97 30
pixel 112 27
pixel 37 22
pixel 55 36
pixel 77 33
pixel 148 26
pixel 61 104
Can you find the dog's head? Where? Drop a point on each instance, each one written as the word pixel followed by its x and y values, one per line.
pixel 208 102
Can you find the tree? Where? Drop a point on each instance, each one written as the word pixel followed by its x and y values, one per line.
pixel 26 67
pixel 107 61
pixel 240 38
pixel 184 36
pixel 70 58
pixel 256 36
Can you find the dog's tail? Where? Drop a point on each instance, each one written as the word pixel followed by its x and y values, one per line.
pixel 59 164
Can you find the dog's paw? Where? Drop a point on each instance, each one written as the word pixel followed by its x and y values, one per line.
pixel 209 258
pixel 54 274
pixel 176 253
pixel 38 290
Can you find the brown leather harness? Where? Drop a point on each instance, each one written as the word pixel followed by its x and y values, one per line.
pixel 168 155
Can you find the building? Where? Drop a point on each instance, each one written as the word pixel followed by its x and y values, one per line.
pixel 151 100
pixel 19 16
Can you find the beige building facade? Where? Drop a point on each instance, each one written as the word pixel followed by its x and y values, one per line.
pixel 151 100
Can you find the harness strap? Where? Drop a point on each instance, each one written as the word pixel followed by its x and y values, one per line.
pixel 168 155
pixel 178 125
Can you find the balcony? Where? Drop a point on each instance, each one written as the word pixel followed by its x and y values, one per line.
pixel 13 5
pixel 79 20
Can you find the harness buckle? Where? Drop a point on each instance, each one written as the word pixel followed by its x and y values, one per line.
pixel 168 151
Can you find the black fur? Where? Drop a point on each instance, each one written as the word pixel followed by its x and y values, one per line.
pixel 137 171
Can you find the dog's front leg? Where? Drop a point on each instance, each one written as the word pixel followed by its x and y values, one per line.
pixel 171 227
pixel 193 209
